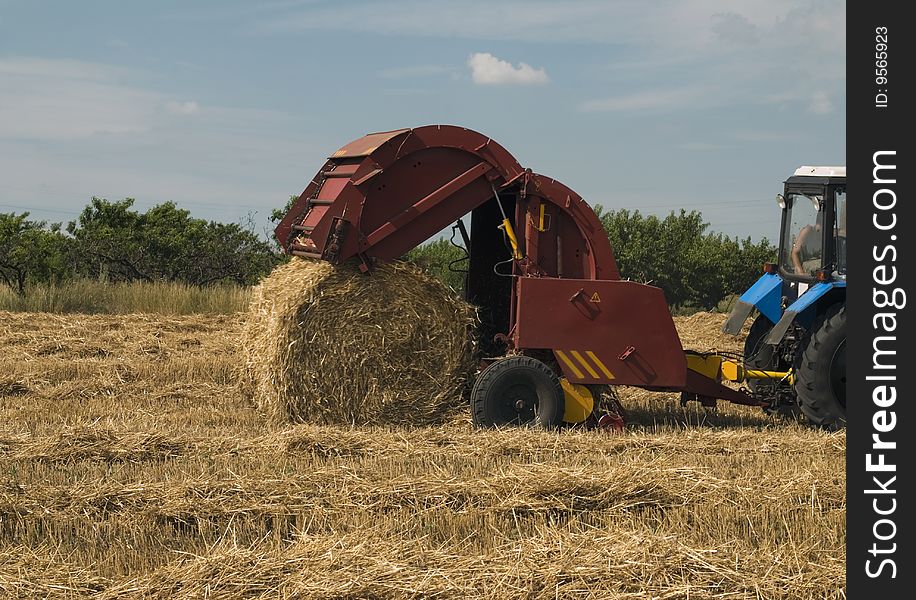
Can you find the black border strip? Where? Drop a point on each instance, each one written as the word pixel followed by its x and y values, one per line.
pixel 878 126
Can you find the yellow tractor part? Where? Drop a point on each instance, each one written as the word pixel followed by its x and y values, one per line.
pixel 579 402
pixel 718 367
pixel 708 365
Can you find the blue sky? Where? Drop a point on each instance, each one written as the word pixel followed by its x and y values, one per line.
pixel 227 108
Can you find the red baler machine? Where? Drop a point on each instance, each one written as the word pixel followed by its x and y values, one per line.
pixel 557 321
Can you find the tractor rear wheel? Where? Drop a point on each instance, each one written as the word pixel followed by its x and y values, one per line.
pixel 518 390
pixel 821 378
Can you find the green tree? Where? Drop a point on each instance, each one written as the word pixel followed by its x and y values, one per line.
pixel 31 251
pixel 277 214
pixel 443 260
pixel 694 267
pixel 114 242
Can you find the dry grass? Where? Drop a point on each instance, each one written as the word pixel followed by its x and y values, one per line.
pixel 131 467
pixel 98 297
pixel 331 345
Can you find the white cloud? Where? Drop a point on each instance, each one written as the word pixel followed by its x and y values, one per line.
pixel 820 104
pixel 486 69
pixel 733 28
pixel 701 146
pixel 62 99
pixel 662 23
pixel 65 99
pixel 651 100
pixel 57 68
pixel 760 136
pixel 182 108
pixel 744 49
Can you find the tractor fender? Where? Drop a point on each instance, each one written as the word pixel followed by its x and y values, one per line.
pixel 765 295
pixel 804 304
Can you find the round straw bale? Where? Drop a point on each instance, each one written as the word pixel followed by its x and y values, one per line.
pixel 330 344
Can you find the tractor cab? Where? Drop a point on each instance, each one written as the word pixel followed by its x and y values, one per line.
pixel 813 234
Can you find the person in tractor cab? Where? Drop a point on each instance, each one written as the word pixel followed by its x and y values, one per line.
pixel 806 251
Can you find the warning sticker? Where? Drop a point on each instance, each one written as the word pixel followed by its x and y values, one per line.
pixel 595 298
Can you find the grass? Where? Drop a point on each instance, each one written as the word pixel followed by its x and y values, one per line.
pixel 173 298
pixel 131 467
pixel 96 297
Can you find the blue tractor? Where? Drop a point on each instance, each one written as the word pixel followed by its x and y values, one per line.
pixel 800 327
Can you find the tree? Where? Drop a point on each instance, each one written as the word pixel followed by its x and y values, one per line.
pixel 31 251
pixel 443 260
pixel 277 214
pixel 114 242
pixel 693 266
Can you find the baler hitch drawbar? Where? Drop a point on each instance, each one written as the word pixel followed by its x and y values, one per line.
pixel 563 305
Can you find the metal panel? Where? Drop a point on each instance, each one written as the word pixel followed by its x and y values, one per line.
pixel 365 145
pixel 332 188
pixel 617 332
pixel 765 295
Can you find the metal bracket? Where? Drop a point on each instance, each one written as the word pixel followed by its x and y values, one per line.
pixel 338 229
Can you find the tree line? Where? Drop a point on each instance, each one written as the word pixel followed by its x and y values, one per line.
pixel 695 267
pixel 112 241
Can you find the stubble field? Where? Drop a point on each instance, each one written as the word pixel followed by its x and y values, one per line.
pixel 132 467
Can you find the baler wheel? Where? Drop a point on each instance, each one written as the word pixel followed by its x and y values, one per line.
pixel 518 390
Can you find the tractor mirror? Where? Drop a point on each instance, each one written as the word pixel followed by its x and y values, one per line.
pixel 781 200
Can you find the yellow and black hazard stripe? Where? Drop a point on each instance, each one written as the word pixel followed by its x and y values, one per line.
pixel 583 364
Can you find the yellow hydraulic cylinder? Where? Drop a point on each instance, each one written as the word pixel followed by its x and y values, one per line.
pixel 718 367
pixel 507 227
pixel 732 371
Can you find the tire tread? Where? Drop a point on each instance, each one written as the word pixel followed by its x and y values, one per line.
pixel 819 406
pixel 485 381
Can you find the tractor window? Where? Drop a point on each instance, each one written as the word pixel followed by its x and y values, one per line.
pixel 840 230
pixel 802 245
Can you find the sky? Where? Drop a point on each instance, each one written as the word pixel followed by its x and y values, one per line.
pixel 227 108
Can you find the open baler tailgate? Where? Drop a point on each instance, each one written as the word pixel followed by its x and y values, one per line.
pixel 410 181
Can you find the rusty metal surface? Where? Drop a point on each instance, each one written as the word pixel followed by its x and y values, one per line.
pixel 583 250
pixel 365 145
pixel 618 332
pixel 414 182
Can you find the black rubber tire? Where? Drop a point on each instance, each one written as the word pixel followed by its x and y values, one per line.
pixel 758 355
pixel 518 390
pixel 821 377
